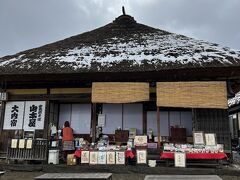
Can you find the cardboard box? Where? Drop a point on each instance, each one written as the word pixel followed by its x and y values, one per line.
pixel 71 160
pixel 190 140
pixel 152 145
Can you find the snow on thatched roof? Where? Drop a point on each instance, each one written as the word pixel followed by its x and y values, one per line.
pixel 234 101
pixel 121 46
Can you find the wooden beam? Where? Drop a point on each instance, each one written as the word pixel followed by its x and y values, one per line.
pixel 26 91
pixel 70 90
pixel 158 126
pixel 181 74
pixel 26 97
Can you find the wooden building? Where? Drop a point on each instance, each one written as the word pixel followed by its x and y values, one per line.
pixel 138 76
pixel 234 118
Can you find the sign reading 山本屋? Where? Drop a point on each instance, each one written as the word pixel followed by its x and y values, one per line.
pixel 27 115
pixel 34 115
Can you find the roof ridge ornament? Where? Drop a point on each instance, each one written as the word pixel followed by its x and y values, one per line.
pixel 123 10
pixel 124 19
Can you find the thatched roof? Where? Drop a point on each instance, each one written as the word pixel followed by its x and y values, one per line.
pixel 234 101
pixel 121 46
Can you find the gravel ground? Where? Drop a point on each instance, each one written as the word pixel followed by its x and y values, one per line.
pixel 236 157
pixel 31 175
pixel 236 160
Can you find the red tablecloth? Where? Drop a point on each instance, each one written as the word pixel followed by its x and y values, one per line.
pixel 130 153
pixel 169 155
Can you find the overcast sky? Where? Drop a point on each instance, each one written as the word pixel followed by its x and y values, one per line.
pixel 26 24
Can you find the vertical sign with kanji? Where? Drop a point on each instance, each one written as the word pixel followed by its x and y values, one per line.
pixel 34 115
pixel 13 118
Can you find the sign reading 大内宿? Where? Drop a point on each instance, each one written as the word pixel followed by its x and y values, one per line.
pixel 27 115
pixel 13 118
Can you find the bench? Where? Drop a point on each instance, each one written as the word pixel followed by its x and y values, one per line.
pixel 182 177
pixel 75 176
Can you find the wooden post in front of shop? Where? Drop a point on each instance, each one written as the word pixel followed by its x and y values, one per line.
pixel 144 120
pixel 158 126
pixel 94 121
pixel 2 111
pixel 46 130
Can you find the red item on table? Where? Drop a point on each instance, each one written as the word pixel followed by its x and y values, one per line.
pixel 130 153
pixel 170 155
pixel 77 153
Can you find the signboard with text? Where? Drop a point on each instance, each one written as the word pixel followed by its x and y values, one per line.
pixel 34 115
pixel 13 118
pixel 3 96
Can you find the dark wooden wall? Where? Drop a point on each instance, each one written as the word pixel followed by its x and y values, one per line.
pixel 213 121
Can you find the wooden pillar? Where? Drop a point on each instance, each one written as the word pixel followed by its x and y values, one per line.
pixel 94 121
pixel 144 123
pixel 193 120
pixel 46 123
pixel 2 111
pixel 158 126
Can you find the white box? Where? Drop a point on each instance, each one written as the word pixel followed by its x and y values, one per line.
pixel 53 157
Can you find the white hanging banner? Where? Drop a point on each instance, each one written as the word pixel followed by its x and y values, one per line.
pixel 34 115
pixel 13 118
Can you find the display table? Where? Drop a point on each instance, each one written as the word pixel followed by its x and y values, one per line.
pixel 217 156
pixel 207 159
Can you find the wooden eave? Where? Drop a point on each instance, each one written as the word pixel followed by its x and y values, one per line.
pixel 85 79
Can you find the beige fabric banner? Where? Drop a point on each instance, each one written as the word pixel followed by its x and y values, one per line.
pixel 212 94
pixel 119 92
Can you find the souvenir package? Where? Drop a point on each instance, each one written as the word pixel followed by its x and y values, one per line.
pixel 71 160
pixel 120 157
pixel 111 157
pixel 93 157
pixel 141 156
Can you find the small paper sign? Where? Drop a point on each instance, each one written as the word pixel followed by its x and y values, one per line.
pixel 210 139
pixel 85 157
pixel 111 157
pixel 93 157
pixel 198 138
pixel 120 157
pixel 179 159
pixel 21 143
pixel 102 157
pixel 101 120
pixel 140 141
pixel 141 156
pixel 14 143
pixel 29 144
